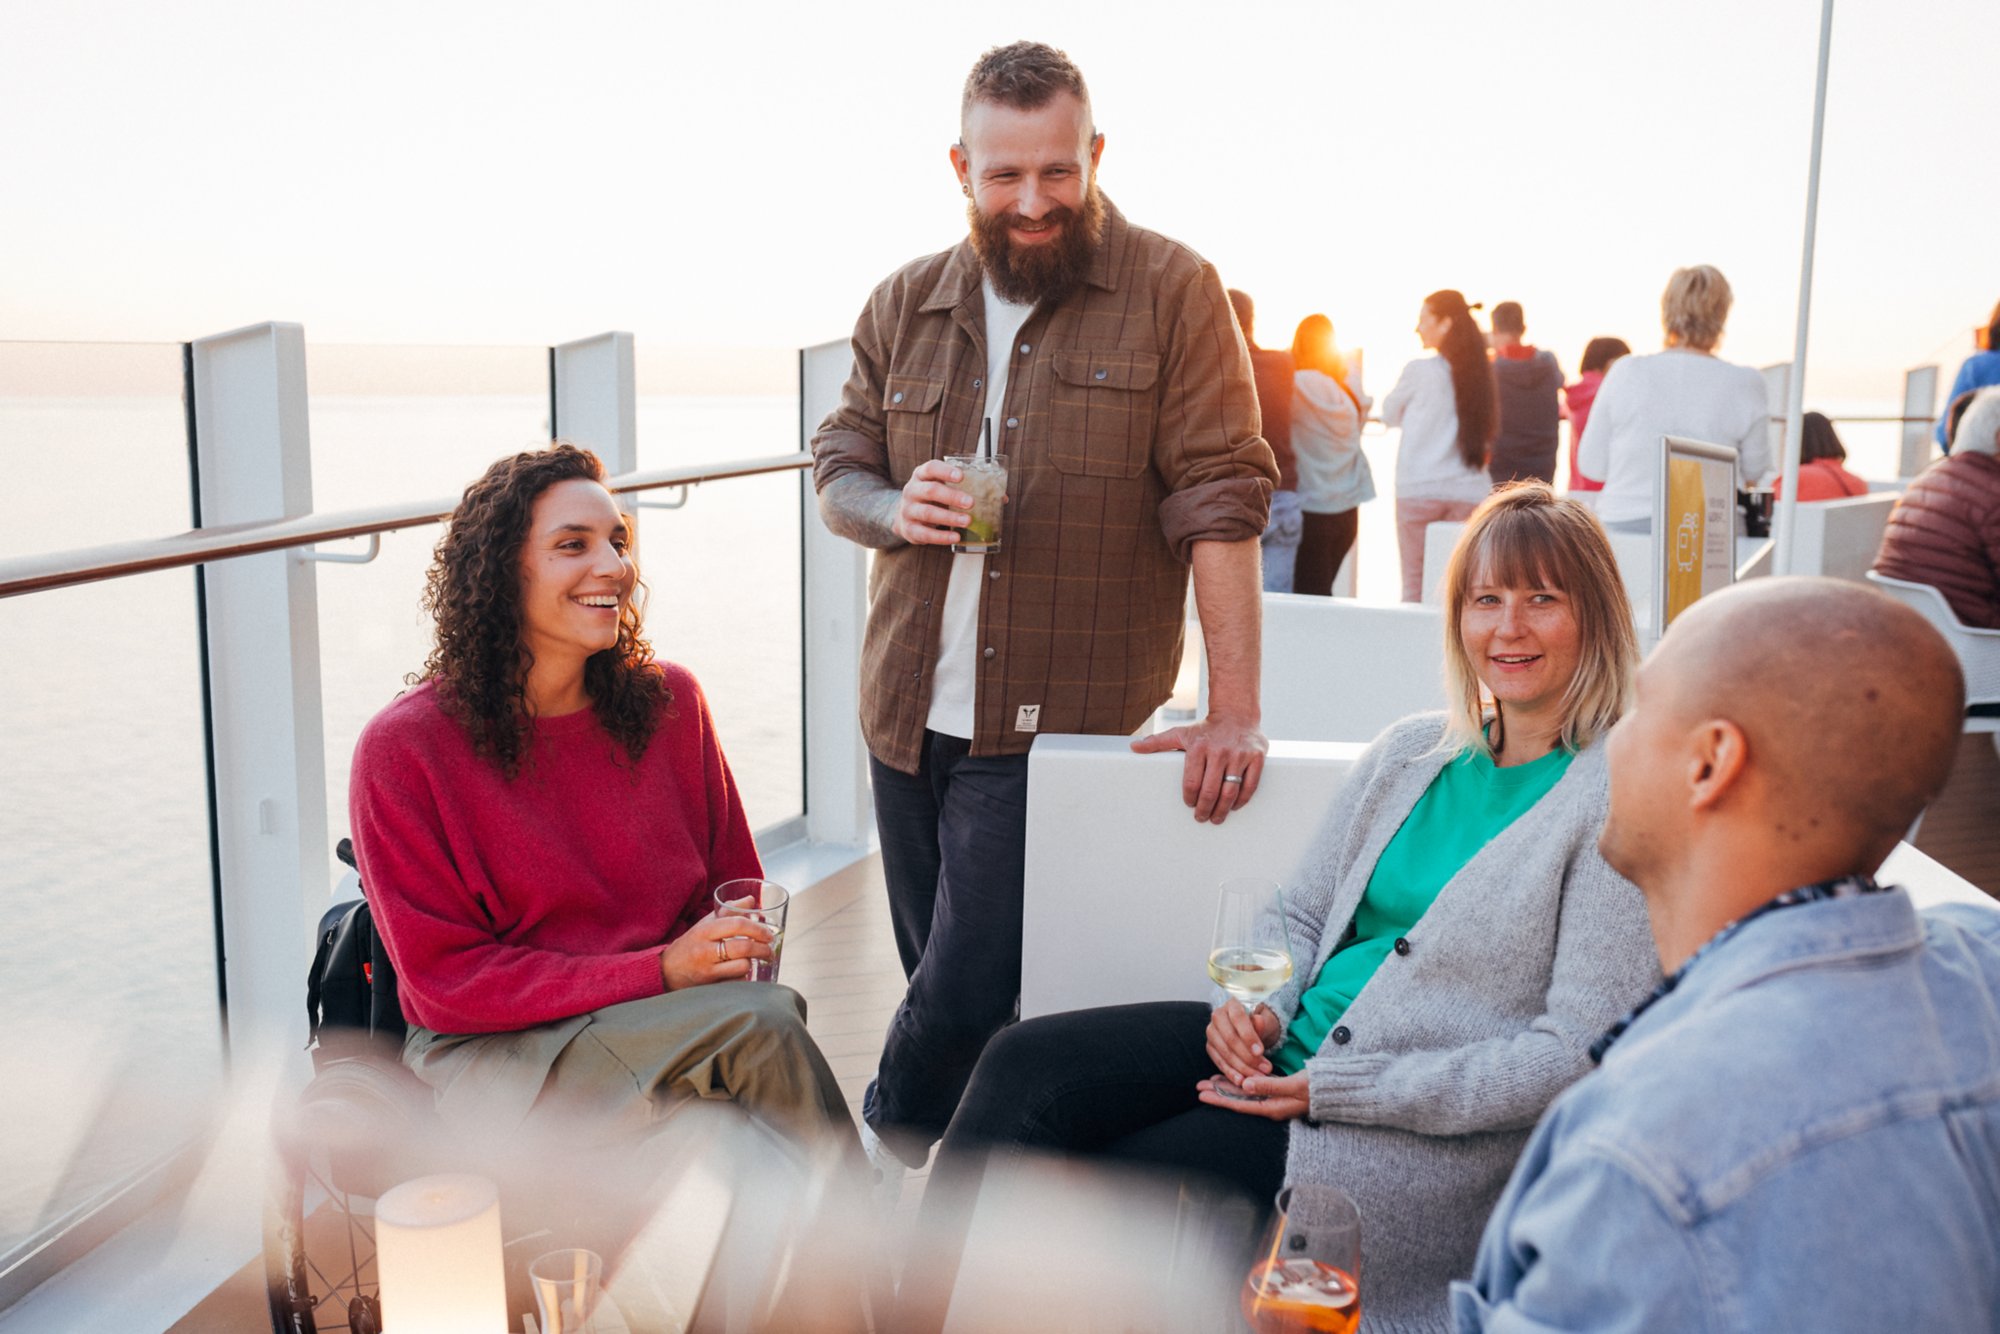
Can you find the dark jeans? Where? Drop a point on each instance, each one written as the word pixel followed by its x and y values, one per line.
pixel 1117 1083
pixel 1322 547
pixel 953 837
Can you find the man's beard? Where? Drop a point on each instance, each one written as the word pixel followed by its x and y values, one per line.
pixel 1029 275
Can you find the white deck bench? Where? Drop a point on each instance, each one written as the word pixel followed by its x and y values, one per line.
pixel 1120 886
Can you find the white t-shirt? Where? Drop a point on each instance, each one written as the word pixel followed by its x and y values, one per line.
pixel 954 683
pixel 1428 464
pixel 1675 392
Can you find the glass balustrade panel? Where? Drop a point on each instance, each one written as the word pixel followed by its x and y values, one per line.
pixel 723 570
pixel 108 974
pixel 389 425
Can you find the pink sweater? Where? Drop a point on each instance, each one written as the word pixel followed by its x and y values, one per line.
pixel 510 904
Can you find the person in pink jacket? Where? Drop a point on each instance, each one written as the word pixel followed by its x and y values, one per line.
pixel 1598 354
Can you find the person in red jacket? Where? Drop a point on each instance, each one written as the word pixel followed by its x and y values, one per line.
pixel 1822 459
pixel 542 823
pixel 1945 531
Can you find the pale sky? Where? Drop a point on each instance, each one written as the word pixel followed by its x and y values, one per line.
pixel 503 172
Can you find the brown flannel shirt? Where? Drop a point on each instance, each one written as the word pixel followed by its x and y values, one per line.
pixel 1130 430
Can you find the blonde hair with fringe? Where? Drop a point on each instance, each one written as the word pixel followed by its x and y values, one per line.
pixel 1526 536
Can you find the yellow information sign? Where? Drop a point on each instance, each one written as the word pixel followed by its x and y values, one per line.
pixel 1687 527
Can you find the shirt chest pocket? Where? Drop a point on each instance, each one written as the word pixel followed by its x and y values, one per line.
pixel 1104 412
pixel 910 418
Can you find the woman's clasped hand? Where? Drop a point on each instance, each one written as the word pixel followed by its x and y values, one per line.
pixel 1244 1082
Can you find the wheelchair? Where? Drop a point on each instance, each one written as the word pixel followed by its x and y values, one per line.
pixel 365 1123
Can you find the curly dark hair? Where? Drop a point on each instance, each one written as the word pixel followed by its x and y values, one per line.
pixel 473 590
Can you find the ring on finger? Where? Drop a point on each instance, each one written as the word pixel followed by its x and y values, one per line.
pixel 1232 778
pixel 722 951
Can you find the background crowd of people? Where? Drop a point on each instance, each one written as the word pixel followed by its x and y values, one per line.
pixel 1487 409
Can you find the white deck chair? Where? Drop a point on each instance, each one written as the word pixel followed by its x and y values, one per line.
pixel 1978 650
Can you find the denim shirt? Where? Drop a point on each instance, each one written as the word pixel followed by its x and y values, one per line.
pixel 1804 1135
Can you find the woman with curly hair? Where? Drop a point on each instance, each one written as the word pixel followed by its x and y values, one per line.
pixel 542 822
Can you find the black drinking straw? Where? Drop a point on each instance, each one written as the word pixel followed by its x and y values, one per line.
pixel 986 440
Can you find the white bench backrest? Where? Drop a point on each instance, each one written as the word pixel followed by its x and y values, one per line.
pixel 1120 884
pixel 1839 538
pixel 1339 670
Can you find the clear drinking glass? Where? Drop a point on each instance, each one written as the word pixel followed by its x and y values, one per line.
pixel 1251 957
pixel 1307 1276
pixel 568 1286
pixel 762 901
pixel 985 480
pixel 1251 954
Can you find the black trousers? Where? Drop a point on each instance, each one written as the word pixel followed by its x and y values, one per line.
pixel 1117 1083
pixel 1324 544
pixel 953 844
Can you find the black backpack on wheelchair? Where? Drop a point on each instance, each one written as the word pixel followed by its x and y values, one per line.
pixel 351 988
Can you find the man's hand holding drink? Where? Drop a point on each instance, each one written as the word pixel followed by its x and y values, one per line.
pixel 945 496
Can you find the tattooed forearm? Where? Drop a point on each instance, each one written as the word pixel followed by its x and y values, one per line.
pixel 861 507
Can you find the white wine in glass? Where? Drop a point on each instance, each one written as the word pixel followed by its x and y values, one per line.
pixel 1251 956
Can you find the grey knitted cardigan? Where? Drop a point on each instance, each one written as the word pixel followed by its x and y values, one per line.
pixel 1452 1050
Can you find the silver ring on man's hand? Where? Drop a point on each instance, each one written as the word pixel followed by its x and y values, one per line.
pixel 722 951
pixel 1232 778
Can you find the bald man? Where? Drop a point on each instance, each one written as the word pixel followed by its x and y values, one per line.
pixel 1801 1130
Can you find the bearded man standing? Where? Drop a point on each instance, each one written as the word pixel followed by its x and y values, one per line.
pixel 1120 393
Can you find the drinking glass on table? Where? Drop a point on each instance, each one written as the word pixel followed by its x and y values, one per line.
pixel 568 1285
pixel 1307 1276
pixel 1251 955
pixel 762 901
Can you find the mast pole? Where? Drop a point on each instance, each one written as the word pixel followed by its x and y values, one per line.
pixel 1786 531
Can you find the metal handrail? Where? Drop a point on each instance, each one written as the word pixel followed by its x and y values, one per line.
pixel 84 565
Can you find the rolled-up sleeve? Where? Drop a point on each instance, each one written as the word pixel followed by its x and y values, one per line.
pixel 1219 471
pixel 852 438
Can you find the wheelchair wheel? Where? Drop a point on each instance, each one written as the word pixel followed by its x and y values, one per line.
pixel 331 1284
pixel 319 1267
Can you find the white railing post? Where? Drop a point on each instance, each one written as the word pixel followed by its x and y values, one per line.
pixel 595 400
pixel 838 809
pixel 1919 402
pixel 254 464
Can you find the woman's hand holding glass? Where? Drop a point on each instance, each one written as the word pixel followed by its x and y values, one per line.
pixel 1238 1043
pixel 1239 1039
pixel 715 949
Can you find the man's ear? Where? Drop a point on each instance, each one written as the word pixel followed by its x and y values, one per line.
pixel 1096 152
pixel 1717 763
pixel 961 165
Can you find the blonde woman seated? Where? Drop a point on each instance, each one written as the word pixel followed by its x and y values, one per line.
pixel 1464 945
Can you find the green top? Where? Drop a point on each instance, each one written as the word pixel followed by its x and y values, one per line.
pixel 1465 807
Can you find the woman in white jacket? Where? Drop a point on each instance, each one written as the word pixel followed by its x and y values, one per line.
pixel 1334 480
pixel 1446 407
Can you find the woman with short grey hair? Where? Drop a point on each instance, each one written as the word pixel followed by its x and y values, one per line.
pixel 1685 390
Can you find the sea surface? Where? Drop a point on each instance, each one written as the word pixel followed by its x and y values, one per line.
pixel 107 962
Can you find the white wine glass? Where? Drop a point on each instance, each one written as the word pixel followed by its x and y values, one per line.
pixel 1250 956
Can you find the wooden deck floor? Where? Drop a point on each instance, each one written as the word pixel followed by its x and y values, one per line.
pixel 1962 827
